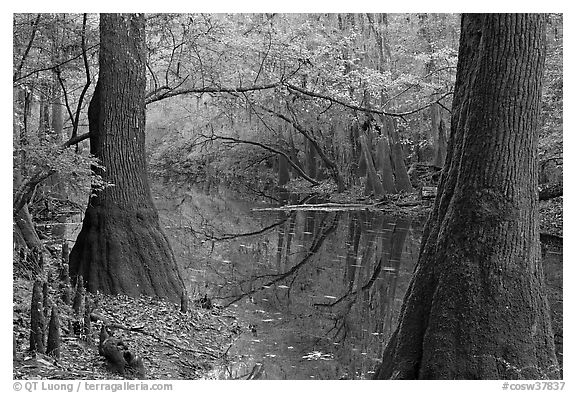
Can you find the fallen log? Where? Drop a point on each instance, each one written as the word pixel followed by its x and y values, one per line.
pixel 317 207
pixel 550 238
pixel 119 358
pixel 95 316
pixel 550 191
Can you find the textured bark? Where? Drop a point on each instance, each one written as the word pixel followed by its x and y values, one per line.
pixel 373 182
pixel 24 184
pixel 26 229
pixel 53 341
pixel 311 159
pixel 121 247
pixel 37 321
pixel 283 173
pixel 401 178
pixel 476 306
pixel 442 145
pixel 385 165
pixel 79 293
pixel 44 110
pixel 435 118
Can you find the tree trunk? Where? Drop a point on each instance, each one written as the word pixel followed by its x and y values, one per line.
pixel 435 118
pixel 53 341
pixel 311 159
pixel 283 173
pixel 442 145
pixel 373 182
pixel 121 247
pixel 44 110
pixel 358 167
pixel 37 322
pixel 26 229
pixel 476 306
pixel 385 165
pixel 401 177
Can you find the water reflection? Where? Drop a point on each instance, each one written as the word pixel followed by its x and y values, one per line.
pixel 319 290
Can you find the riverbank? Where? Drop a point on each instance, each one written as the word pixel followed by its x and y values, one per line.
pixel 196 344
pixel 415 206
pixel 172 344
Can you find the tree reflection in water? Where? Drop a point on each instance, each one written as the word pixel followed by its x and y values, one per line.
pixel 320 290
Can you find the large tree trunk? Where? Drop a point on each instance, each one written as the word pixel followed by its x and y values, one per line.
pixel 311 168
pixel 283 173
pixel 401 178
pixel 121 247
pixel 385 165
pixel 373 183
pixel 476 307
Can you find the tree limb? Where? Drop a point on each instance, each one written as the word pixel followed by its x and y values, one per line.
pixel 317 243
pixel 166 92
pixel 25 55
pixel 24 192
pixel 292 164
pixel 88 79
pixel 54 66
pixel 361 108
pixel 75 139
pixel 330 165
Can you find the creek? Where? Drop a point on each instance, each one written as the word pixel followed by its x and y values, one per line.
pixel 320 290
pixel 316 291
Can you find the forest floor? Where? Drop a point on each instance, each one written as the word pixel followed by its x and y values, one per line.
pixel 194 345
pixel 172 344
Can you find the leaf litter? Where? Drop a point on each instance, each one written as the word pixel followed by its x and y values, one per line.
pixel 172 344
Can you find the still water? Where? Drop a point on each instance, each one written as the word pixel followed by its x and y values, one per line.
pixel 317 293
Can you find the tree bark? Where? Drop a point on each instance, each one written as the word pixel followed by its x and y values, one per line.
pixel 385 165
pixel 283 173
pixel 310 159
pixel 53 340
pixel 442 145
pixel 476 306
pixel 121 247
pixel 401 178
pixel 26 229
pixel 37 322
pixel 373 182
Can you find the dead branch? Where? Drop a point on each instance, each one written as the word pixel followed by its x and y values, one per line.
pixel 95 316
pixel 266 147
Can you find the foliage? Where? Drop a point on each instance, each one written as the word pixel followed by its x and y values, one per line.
pixel 552 100
pixel 75 170
pixel 338 60
pixel 53 56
